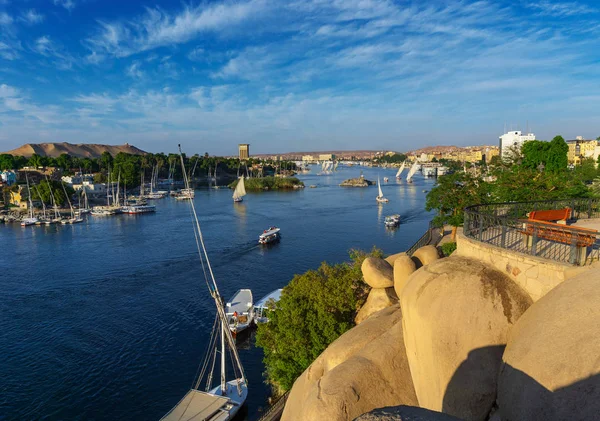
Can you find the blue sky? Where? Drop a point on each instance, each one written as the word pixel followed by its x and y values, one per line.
pixel 297 75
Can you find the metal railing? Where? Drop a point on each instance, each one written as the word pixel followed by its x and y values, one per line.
pixel 433 235
pixel 276 410
pixel 505 225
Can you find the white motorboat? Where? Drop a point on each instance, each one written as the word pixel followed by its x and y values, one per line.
pixel 380 197
pixel 265 305
pixel 29 221
pixel 270 235
pixel 203 401
pixel 392 221
pixel 240 311
pixel 240 190
pixel 136 209
pixel 185 194
pixel 385 179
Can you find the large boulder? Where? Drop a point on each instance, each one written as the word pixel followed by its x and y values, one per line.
pixel 364 369
pixel 457 313
pixel 426 255
pixel 551 366
pixel 377 272
pixel 378 299
pixel 392 257
pixel 405 413
pixel 404 266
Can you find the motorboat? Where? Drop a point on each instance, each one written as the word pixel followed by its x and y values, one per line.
pixel 136 209
pixel 265 305
pixel 270 235
pixel 385 179
pixel 185 194
pixel 29 221
pixel 392 221
pixel 70 221
pixel 240 311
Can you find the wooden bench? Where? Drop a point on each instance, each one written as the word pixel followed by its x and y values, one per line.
pixel 561 215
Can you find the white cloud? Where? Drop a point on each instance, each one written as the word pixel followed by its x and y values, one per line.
pixel 134 71
pixel 67 4
pixel 60 58
pixel 196 54
pixel 31 17
pixel 157 27
pixel 560 9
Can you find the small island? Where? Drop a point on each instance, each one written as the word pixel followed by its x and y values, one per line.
pixel 270 183
pixel 357 182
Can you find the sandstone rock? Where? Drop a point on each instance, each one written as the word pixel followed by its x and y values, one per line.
pixel 364 369
pixel 426 255
pixel 404 266
pixel 551 365
pixel 378 299
pixel 377 272
pixel 392 258
pixel 457 313
pixel 405 413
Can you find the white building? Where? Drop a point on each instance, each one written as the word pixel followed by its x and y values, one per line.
pixel 308 158
pixel 513 138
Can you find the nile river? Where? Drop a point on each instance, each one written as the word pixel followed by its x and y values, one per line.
pixel 108 319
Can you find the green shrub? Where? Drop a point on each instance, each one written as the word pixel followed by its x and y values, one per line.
pixel 448 248
pixel 315 308
pixel 269 183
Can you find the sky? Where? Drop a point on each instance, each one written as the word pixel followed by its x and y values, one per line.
pixel 299 75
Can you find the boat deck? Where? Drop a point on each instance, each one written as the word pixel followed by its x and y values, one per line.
pixel 197 406
pixel 241 302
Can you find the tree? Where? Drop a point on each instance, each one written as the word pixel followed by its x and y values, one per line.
pixel 552 155
pixel 452 194
pixel 64 161
pixel 315 309
pixel 7 162
pixel 106 160
pixel 36 161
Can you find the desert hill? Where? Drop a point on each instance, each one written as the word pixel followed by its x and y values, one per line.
pixel 81 150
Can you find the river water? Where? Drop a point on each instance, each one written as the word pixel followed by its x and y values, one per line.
pixel 109 319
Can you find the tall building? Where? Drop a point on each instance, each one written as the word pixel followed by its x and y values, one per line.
pixel 244 150
pixel 580 149
pixel 513 139
pixel 326 157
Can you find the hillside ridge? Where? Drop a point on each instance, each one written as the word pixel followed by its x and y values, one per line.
pixel 80 150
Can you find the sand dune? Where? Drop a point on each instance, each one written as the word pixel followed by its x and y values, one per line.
pixel 81 150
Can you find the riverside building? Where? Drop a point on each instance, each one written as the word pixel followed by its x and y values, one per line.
pixel 513 139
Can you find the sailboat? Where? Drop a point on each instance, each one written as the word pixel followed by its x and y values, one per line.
pixel 86 204
pixel 220 403
pixel 380 198
pixel 57 217
pixel 240 190
pixel 73 219
pixel 399 173
pixel 412 171
pixel 31 220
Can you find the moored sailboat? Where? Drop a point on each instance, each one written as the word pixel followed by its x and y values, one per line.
pixel 31 220
pixel 220 403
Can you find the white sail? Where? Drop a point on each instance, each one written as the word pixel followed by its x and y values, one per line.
pixel 324 166
pixel 379 186
pixel 412 171
pixel 240 189
pixel 335 166
pixel 400 169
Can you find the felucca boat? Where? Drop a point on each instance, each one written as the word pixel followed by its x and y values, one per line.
pixel 240 311
pixel 380 197
pixel 412 171
pixel 31 220
pixel 399 173
pixel 240 190
pixel 203 401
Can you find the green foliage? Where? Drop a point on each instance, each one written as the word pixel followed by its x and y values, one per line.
pixel 448 248
pixel 7 162
pixel 552 155
pixel 57 189
pixel 452 194
pixel 36 161
pixel 520 184
pixel 269 183
pixel 315 309
pixel 393 159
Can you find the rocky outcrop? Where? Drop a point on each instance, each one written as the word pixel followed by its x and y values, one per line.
pixel 377 273
pixel 426 255
pixel 404 266
pixel 405 413
pixel 357 182
pixel 392 258
pixel 378 299
pixel 457 316
pixel 551 366
pixel 364 369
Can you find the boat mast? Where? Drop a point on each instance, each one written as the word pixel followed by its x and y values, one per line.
pixel 68 200
pixel 214 291
pixel 29 197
